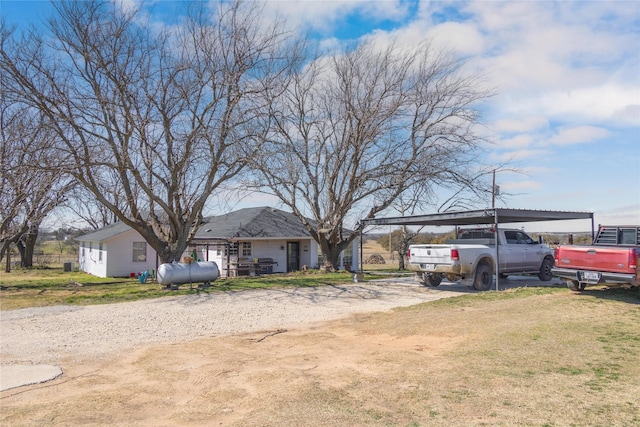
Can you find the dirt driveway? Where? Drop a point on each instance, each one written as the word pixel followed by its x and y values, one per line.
pixel 277 357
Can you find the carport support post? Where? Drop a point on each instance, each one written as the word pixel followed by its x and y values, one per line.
pixel 361 256
pixel 495 215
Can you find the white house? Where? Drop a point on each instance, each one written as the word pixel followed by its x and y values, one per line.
pixel 246 241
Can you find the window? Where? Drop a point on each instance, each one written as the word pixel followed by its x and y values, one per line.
pixel 139 251
pixel 100 252
pixel 347 255
pixel 477 234
pixel 246 248
pixel 512 237
pixel 518 238
pixel 524 238
pixel 220 248
pixel 232 249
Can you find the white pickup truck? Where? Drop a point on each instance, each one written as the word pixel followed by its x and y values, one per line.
pixel 472 258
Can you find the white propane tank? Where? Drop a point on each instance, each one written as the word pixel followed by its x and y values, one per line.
pixel 176 273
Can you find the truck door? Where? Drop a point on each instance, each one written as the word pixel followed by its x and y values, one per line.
pixel 516 248
pixel 533 253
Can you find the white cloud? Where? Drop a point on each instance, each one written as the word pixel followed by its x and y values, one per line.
pixel 604 102
pixel 576 61
pixel 525 124
pixel 514 156
pixel 578 135
pixel 126 5
pixel 536 170
pixel 624 215
pixel 515 186
pixel 463 39
pixel 520 141
pixel 325 16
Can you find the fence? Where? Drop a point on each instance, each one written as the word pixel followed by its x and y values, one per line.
pixel 46 260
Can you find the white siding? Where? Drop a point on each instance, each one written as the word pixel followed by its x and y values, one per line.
pixel 121 256
pixel 88 259
pixel 117 256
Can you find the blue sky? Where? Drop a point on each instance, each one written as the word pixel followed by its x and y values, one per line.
pixel 567 77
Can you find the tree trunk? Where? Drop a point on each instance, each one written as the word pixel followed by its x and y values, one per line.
pixel 332 250
pixel 7 268
pixel 27 244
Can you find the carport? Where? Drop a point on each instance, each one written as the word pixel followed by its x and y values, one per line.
pixel 493 216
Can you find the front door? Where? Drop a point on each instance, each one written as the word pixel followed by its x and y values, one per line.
pixel 293 256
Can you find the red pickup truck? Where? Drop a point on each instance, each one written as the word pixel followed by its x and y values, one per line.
pixel 613 258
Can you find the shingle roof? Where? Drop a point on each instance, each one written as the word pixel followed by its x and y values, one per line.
pixel 105 233
pixel 262 222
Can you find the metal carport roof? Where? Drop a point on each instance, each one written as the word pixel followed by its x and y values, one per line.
pixel 481 216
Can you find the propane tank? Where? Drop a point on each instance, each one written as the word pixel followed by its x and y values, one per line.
pixel 176 273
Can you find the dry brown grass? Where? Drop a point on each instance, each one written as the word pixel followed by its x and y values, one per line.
pixel 518 357
pixel 372 247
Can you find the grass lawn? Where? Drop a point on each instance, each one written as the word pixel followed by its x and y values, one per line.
pixel 52 286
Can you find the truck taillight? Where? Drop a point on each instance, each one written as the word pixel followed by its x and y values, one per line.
pixel 633 258
pixel 455 255
pixel 409 254
pixel 556 255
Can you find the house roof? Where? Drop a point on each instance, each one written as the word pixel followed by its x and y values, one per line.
pixel 105 233
pixel 248 223
pixel 252 223
pixel 483 216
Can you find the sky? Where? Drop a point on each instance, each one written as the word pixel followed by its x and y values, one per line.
pixel 566 113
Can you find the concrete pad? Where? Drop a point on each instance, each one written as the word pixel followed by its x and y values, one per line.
pixel 12 376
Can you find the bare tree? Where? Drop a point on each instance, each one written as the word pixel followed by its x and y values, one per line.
pixel 414 200
pixel 82 204
pixel 354 131
pixel 450 196
pixel 32 180
pixel 153 120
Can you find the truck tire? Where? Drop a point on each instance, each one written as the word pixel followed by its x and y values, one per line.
pixel 574 285
pixel 545 270
pixel 431 279
pixel 483 278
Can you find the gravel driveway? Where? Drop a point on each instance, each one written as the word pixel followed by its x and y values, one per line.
pixel 50 334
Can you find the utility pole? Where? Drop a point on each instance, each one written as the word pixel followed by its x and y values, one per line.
pixel 495 191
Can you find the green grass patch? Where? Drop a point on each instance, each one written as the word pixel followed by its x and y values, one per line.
pixel 24 288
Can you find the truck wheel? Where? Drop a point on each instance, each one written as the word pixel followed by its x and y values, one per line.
pixel 432 280
pixel 483 278
pixel 545 270
pixel 574 285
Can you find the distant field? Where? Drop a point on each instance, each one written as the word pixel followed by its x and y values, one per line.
pixel 372 248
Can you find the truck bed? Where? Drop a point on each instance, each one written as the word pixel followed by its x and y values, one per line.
pixel 614 259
